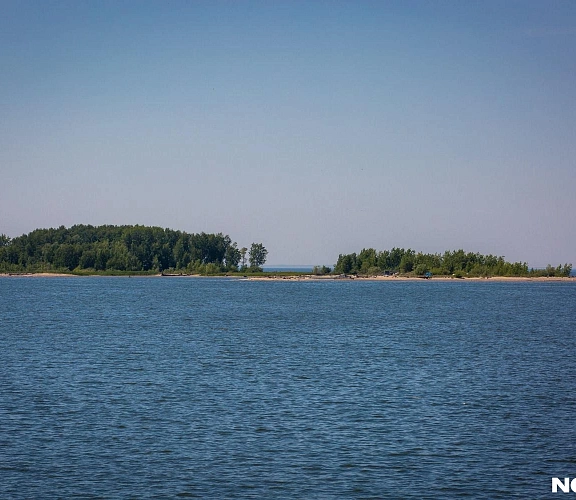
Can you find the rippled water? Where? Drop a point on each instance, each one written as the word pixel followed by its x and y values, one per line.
pixel 217 388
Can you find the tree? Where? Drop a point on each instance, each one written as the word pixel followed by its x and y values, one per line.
pixel 66 256
pixel 321 270
pixel 87 259
pixel 421 269
pixel 346 264
pixel 243 251
pixel 366 259
pixel 407 262
pixel 4 240
pixel 257 256
pixel 232 257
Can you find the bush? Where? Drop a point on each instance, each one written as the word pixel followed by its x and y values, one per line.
pixel 321 270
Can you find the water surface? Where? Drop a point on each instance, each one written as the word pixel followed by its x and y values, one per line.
pixel 224 388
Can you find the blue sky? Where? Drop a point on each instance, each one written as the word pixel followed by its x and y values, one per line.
pixel 316 128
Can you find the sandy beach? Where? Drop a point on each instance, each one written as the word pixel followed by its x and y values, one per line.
pixel 310 277
pixel 406 278
pixel 37 275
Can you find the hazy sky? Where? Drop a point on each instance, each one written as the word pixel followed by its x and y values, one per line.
pixel 316 128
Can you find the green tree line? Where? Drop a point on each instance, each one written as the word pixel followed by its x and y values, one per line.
pixel 457 262
pixel 126 249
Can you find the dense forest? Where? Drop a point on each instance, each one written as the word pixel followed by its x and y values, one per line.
pixel 126 249
pixel 143 249
pixel 457 263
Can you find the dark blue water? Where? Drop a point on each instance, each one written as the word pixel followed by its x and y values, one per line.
pixel 217 388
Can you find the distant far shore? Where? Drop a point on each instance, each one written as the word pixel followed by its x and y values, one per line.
pixel 305 277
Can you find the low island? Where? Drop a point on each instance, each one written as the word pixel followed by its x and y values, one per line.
pixel 153 251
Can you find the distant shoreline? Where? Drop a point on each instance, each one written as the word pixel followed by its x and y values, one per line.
pixel 307 277
pixel 414 278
